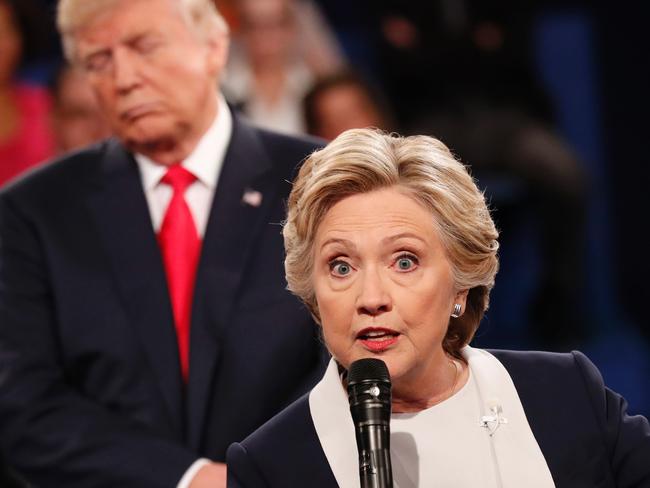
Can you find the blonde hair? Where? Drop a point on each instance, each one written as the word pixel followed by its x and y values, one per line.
pixel 201 15
pixel 363 160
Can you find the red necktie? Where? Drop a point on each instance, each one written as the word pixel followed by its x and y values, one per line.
pixel 180 245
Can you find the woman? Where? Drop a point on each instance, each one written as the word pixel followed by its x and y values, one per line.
pixel 25 134
pixel 392 247
pixel 281 46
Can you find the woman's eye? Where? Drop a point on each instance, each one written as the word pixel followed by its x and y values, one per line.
pixel 406 262
pixel 340 268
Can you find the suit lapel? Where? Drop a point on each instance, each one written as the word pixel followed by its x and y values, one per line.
pixel 233 225
pixel 121 215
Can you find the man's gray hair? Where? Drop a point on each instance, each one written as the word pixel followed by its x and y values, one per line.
pixel 201 15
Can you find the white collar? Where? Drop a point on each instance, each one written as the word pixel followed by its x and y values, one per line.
pixel 519 459
pixel 205 161
pixel 330 412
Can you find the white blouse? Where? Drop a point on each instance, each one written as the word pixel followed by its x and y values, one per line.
pixel 479 437
pixel 443 445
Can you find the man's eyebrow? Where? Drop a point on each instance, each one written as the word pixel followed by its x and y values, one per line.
pixel 98 51
pixel 135 38
pixel 131 39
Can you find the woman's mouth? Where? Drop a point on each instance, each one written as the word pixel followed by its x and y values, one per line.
pixel 377 339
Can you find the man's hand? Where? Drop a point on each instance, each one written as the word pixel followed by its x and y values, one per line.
pixel 211 475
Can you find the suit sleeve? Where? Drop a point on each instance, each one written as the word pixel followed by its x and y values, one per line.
pixel 50 432
pixel 627 437
pixel 242 471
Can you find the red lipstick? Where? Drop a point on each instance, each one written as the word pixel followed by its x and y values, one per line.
pixel 377 339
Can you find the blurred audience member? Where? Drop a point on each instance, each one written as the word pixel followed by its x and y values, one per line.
pixel 343 101
pixel 25 137
pixel 280 48
pixel 77 120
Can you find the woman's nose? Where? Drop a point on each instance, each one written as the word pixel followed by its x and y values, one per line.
pixel 373 296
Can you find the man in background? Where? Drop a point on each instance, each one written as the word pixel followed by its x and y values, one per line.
pixel 144 321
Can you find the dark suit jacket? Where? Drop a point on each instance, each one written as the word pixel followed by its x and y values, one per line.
pixel 582 428
pixel 90 386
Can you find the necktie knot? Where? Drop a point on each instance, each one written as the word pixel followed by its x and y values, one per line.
pixel 178 178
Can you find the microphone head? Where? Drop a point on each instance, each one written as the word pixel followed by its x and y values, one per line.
pixel 369 369
pixel 369 389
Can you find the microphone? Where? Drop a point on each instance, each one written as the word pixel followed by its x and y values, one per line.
pixel 369 394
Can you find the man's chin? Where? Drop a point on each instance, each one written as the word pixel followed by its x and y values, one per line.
pixel 148 140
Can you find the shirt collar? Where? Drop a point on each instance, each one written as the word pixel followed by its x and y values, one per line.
pixel 205 161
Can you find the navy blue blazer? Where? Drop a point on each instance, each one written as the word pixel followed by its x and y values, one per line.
pixel 582 428
pixel 91 393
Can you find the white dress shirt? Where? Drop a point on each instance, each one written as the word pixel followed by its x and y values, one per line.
pixel 285 113
pixel 204 162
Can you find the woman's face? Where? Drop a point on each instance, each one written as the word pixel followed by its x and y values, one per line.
pixel 10 44
pixel 384 285
pixel 268 31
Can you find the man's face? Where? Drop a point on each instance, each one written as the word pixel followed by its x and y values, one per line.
pixel 154 77
pixel 344 107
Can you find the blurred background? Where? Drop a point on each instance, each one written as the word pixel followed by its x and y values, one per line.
pixel 545 101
